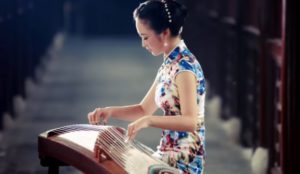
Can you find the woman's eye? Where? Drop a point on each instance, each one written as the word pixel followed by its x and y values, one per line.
pixel 145 38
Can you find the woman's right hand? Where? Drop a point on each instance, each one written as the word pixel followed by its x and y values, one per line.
pixel 99 115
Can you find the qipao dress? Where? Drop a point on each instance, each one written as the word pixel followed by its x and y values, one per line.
pixel 180 149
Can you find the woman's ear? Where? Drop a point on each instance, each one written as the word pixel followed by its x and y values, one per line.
pixel 166 33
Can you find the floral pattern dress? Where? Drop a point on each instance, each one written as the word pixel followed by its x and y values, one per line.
pixel 183 150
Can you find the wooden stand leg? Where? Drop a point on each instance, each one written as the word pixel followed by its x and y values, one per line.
pixel 53 169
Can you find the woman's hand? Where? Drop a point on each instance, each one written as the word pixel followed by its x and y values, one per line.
pixel 99 115
pixel 137 125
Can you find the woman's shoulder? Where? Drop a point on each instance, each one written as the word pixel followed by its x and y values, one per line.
pixel 187 60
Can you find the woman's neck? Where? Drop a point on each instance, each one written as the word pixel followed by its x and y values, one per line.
pixel 172 44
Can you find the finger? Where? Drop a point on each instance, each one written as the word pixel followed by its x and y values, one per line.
pixel 95 118
pixel 130 132
pixel 105 120
pixel 99 119
pixel 97 115
pixel 90 117
pixel 133 136
pixel 127 134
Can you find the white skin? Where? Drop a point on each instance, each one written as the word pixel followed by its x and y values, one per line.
pixel 141 115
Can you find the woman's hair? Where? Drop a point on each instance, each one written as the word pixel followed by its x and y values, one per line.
pixel 155 13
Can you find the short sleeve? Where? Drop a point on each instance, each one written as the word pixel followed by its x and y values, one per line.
pixel 185 66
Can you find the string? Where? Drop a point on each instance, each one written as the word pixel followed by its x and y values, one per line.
pixel 112 141
pixel 78 127
pixel 100 129
pixel 118 145
pixel 136 146
pixel 81 127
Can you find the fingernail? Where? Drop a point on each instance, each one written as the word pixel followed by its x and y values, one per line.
pixel 126 139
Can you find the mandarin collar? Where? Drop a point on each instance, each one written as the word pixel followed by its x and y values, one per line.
pixel 181 46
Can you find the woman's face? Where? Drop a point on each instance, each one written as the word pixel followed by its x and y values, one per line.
pixel 150 40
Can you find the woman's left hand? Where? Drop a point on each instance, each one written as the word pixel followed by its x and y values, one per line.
pixel 137 125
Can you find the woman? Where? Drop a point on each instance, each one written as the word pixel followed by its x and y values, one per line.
pixel 178 89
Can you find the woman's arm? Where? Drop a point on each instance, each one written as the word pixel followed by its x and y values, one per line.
pixel 187 121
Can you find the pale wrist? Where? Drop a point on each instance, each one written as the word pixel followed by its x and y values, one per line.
pixel 108 110
pixel 149 121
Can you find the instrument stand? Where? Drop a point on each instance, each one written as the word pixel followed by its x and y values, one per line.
pixel 52 164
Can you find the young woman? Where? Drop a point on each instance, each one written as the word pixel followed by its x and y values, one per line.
pixel 178 89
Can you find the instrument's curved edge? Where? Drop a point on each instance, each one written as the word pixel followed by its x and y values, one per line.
pixel 66 153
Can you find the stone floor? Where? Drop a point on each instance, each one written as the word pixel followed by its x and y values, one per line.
pixel 87 73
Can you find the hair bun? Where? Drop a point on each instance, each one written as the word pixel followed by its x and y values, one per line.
pixel 184 11
pixel 179 10
pixel 162 14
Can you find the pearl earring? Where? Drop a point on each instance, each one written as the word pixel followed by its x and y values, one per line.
pixel 165 44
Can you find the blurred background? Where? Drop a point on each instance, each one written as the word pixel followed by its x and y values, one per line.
pixel 59 59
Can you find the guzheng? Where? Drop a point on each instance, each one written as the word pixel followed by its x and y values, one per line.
pixel 97 149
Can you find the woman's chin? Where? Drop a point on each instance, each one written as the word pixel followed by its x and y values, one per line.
pixel 153 53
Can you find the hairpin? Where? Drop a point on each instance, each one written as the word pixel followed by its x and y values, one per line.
pixel 167 10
